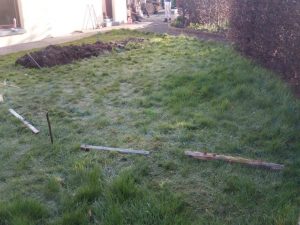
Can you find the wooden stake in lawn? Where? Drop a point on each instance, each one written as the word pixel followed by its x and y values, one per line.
pixel 120 150
pixel 1 98
pixel 49 126
pixel 231 159
pixel 26 123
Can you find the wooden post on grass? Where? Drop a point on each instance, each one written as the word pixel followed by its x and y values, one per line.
pixel 26 123
pixel 231 159
pixel 120 150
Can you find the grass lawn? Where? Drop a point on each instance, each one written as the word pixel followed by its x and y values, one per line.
pixel 166 95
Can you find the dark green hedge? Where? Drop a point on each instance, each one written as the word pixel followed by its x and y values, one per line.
pixel 266 30
pixel 269 32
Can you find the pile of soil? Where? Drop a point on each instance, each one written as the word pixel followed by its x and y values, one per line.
pixel 59 55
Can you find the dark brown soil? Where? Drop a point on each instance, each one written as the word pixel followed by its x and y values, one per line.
pixel 59 55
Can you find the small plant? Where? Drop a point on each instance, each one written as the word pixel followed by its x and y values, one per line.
pixel 124 188
pixel 23 211
pixel 180 22
pixel 78 217
pixel 214 28
pixel 52 187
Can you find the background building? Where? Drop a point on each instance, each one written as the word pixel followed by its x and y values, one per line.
pixel 35 20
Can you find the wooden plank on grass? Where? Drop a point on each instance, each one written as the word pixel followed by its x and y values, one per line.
pixel 1 98
pixel 26 123
pixel 120 150
pixel 231 159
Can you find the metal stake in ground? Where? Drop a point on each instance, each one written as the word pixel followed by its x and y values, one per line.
pixel 35 62
pixel 49 126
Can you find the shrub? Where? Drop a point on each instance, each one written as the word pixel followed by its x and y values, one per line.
pixel 205 11
pixel 180 22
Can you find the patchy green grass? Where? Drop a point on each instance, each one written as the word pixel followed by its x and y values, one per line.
pixel 210 27
pixel 166 96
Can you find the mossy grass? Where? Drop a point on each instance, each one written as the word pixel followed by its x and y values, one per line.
pixel 168 95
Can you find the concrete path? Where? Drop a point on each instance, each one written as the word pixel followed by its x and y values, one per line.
pixel 155 23
pixel 72 37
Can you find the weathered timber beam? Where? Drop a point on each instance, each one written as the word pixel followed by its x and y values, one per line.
pixel 231 159
pixel 120 150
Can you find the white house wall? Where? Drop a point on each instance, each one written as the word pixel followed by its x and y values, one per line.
pixel 119 11
pixel 51 18
pixel 73 15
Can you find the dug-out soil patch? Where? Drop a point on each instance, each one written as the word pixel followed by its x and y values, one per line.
pixel 59 55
